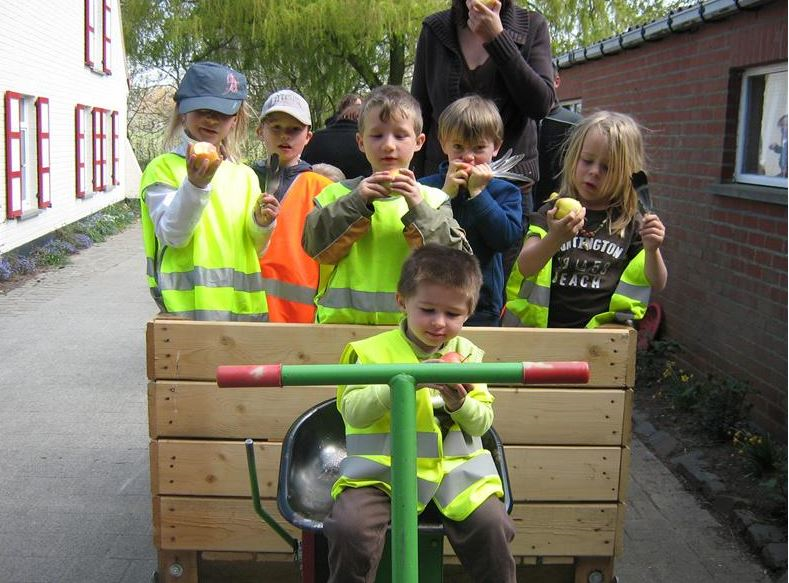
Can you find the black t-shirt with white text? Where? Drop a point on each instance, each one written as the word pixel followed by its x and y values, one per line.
pixel 586 270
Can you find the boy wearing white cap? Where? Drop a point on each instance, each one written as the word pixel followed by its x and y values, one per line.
pixel 284 129
pixel 290 276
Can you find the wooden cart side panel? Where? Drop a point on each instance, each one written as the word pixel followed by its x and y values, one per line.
pixel 559 416
pixel 522 416
pixel 619 542
pixel 563 474
pixel 537 473
pixel 227 524
pixel 186 350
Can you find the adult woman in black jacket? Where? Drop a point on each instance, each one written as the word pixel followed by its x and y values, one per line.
pixel 502 52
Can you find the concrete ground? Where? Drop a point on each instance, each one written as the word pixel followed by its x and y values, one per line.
pixel 74 494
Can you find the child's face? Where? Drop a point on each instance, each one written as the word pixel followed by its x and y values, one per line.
pixel 388 145
pixel 285 136
pixel 435 313
pixel 591 170
pixel 205 125
pixel 481 151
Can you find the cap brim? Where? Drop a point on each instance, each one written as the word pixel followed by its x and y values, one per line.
pixel 291 112
pixel 220 104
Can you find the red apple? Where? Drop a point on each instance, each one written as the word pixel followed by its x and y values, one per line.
pixel 453 357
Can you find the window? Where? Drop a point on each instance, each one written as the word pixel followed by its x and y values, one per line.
pixel 116 151
pixel 98 35
pixel 573 105
pixel 27 154
pixel 95 170
pixel 761 132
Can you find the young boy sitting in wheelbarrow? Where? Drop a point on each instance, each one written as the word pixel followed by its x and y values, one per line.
pixel 438 290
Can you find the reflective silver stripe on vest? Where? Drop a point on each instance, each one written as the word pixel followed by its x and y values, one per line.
pixel 381 444
pixel 222 315
pixel 359 468
pixel 510 320
pixel 150 267
pixel 207 277
pixel 301 294
pixel 342 298
pixel 536 294
pixel 464 476
pixel 460 443
pixel 624 317
pixel 639 293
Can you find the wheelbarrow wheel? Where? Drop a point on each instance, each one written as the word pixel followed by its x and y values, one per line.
pixel 155 577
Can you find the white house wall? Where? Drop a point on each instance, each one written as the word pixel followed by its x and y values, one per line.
pixel 42 48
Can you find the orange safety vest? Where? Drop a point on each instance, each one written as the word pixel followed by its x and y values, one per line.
pixel 290 276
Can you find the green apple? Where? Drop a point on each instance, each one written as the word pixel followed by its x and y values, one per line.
pixel 564 206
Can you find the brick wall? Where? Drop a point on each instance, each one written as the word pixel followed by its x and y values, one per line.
pixel 727 257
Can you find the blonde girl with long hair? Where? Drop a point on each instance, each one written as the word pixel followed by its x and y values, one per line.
pixel 598 263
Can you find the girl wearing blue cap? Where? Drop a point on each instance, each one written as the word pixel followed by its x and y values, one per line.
pixel 205 223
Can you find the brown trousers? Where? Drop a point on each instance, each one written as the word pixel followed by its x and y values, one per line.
pixel 356 532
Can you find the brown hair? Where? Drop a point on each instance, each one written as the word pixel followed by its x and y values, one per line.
pixel 441 265
pixel 394 102
pixel 625 157
pixel 470 119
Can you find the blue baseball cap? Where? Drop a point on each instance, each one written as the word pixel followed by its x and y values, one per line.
pixel 212 86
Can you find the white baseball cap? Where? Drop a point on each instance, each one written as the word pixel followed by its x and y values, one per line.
pixel 289 102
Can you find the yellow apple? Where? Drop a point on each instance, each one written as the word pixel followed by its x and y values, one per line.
pixel 565 206
pixel 205 151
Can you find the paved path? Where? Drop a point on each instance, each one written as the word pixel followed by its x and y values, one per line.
pixel 74 492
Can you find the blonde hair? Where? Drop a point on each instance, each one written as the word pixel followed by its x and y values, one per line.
pixel 231 144
pixel 625 157
pixel 329 171
pixel 470 119
pixel 394 102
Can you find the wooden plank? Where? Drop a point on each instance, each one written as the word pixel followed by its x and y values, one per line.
pixel 203 410
pixel 559 416
pixel 218 468
pixel 561 530
pixel 523 416
pixel 619 542
pixel 215 468
pixel 230 524
pixel 563 474
pixel 185 350
pixel 624 474
pixel 218 524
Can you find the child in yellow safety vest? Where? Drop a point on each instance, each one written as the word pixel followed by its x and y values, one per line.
pixel 205 221
pixel 592 257
pixel 365 227
pixel 438 291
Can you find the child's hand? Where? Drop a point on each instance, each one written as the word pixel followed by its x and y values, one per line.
pixel 568 226
pixel 375 186
pixel 481 174
pixel 652 232
pixel 266 209
pixel 405 184
pixel 457 176
pixel 199 171
pixel 454 395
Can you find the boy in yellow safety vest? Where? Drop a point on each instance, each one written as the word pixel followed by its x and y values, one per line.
pixel 438 291
pixel 365 227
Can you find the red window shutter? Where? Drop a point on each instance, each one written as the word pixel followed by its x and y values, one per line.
pixel 42 143
pixel 90 33
pixel 13 154
pixel 99 150
pixel 116 150
pixel 79 139
pixel 106 31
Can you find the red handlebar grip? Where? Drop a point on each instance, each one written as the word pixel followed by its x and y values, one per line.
pixel 536 373
pixel 249 375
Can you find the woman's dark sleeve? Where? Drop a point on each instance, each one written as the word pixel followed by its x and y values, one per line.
pixel 420 93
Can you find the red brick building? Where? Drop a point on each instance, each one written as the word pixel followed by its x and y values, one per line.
pixel 709 83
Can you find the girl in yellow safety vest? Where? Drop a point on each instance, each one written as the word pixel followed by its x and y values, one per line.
pixel 592 255
pixel 204 220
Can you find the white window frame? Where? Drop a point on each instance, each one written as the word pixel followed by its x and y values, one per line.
pixel 29 147
pixel 98 36
pixel 740 175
